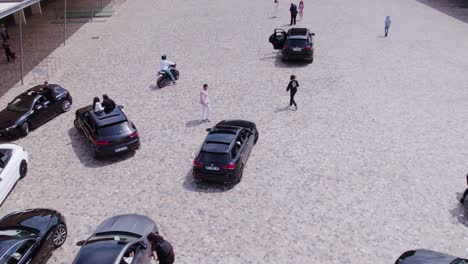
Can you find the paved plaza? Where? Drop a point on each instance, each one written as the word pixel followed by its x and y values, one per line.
pixel 371 164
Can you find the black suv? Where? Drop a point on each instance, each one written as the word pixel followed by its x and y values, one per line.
pixel 33 108
pixel 424 256
pixel 297 44
pixel 109 132
pixel 225 151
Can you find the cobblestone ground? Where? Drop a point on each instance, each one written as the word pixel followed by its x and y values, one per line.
pixel 370 165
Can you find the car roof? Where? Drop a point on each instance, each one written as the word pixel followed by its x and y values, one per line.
pixel 220 139
pixel 105 119
pixel 424 256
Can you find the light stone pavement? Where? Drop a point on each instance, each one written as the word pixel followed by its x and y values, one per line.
pixel 371 164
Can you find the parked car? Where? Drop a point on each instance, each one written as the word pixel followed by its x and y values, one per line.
pixel 117 238
pixel 424 256
pixel 296 44
pixel 30 236
pixel 33 108
pixel 109 133
pixel 225 152
pixel 13 166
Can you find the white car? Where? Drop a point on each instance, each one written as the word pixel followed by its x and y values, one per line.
pixel 13 166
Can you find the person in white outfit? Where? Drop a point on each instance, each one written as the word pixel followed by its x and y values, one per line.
pixel 275 8
pixel 205 102
pixel 164 66
pixel 97 106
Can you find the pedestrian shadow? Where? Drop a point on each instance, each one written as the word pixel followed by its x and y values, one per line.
pixel 194 123
pixel 194 185
pixel 84 152
pixel 381 36
pixel 282 109
pixel 460 212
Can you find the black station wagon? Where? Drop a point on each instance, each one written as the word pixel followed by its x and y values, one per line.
pixel 296 44
pixel 225 152
pixel 33 108
pixel 110 133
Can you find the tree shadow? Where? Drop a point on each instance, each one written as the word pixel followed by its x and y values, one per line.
pixel 460 212
pixel 194 185
pixel 194 123
pixel 457 9
pixel 84 152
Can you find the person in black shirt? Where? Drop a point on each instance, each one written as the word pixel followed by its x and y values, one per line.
pixel 107 103
pixel 292 87
pixel 293 10
pixel 161 248
pixel 465 194
pixel 8 52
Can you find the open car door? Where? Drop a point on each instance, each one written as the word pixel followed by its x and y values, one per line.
pixel 278 38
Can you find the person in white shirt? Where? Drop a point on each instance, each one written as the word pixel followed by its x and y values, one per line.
pixel 165 67
pixel 97 107
pixel 205 102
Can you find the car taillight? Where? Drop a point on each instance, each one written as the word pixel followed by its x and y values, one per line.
pixel 285 47
pixel 308 48
pixel 134 134
pixel 197 164
pixel 230 166
pixel 101 142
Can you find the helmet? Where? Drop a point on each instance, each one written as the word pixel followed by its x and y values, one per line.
pixel 163 57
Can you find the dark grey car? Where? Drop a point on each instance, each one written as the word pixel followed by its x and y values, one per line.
pixel 424 256
pixel 121 239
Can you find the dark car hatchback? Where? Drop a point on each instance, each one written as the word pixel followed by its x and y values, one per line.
pixel 296 44
pixel 109 133
pixel 225 152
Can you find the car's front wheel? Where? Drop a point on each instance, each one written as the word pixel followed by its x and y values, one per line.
pixel 66 106
pixel 60 235
pixel 24 129
pixel 23 169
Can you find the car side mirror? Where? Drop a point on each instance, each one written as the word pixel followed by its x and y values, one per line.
pixel 121 106
pixel 80 243
pixel 312 34
pixel 208 130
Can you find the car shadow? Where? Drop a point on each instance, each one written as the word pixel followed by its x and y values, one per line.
pixel 194 185
pixel 194 123
pixel 460 212
pixel 289 64
pixel 83 151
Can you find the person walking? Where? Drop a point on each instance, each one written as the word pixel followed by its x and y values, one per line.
pixel 9 54
pixel 293 10
pixel 161 249
pixel 275 8
pixel 388 22
pixel 465 194
pixel 292 88
pixel 301 9
pixel 4 33
pixel 205 102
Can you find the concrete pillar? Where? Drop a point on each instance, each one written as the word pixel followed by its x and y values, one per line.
pixel 36 8
pixel 19 15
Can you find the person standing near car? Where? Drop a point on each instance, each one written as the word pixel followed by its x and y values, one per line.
pixel 388 22
pixel 465 194
pixel 292 89
pixel 4 33
pixel 205 102
pixel 161 249
pixel 8 52
pixel 293 10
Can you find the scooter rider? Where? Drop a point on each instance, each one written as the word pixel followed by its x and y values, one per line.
pixel 165 67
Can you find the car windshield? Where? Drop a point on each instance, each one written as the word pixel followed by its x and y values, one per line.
pixel 297 42
pixel 214 157
pixel 462 261
pixel 114 129
pixel 16 233
pixel 103 252
pixel 20 105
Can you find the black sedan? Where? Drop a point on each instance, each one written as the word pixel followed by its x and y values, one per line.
pixel 31 235
pixel 109 133
pixel 424 256
pixel 33 108
pixel 296 44
pixel 121 239
pixel 225 152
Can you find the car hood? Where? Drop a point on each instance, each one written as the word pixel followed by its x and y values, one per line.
pixel 9 118
pixel 424 256
pixel 133 223
pixel 38 219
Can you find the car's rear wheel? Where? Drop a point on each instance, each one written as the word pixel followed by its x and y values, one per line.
pixel 24 129
pixel 23 169
pixel 256 137
pixel 241 172
pixel 60 235
pixel 161 82
pixel 66 106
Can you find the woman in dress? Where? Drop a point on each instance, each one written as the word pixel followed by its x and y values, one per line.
pixel 301 9
pixel 275 8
